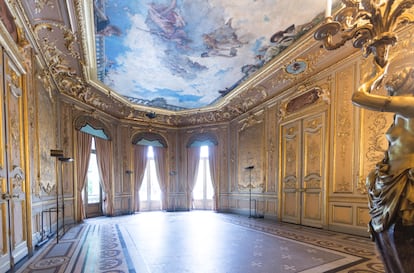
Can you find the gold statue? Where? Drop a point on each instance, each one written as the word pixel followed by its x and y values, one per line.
pixel 372 25
pixel 391 184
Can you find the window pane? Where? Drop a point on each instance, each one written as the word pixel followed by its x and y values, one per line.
pixel 143 191
pixel 203 151
pixel 155 187
pixel 209 185
pixel 198 188
pixel 93 181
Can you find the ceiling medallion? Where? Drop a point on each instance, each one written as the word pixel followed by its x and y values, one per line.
pixel 296 67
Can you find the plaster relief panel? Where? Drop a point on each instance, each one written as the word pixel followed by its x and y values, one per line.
pixel 251 154
pixel 47 124
pixel 343 171
pixel 374 143
pixel 271 148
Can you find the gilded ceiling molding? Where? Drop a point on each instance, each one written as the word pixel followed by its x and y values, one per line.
pixel 297 69
pixel 251 120
pixel 45 79
pixel 70 39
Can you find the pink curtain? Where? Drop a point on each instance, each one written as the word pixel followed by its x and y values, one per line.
pixel 103 158
pixel 83 154
pixel 213 162
pixel 140 162
pixel 160 156
pixel 193 159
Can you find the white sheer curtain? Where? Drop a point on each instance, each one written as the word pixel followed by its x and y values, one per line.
pixel 213 162
pixel 104 160
pixel 193 159
pixel 83 154
pixel 140 162
pixel 160 158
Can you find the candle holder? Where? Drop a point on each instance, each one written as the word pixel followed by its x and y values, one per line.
pixel 372 25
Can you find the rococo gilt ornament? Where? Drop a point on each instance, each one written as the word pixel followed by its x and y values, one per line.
pixel 372 25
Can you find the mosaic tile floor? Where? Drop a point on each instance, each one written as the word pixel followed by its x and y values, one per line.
pixel 202 241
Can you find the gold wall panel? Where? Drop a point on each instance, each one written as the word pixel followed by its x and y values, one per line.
pixel 314 149
pixel 290 155
pixel 290 208
pixel 344 157
pixel 342 214
pixel 47 124
pixel 363 217
pixel 373 143
pixel 127 155
pixel 271 148
pixel 3 170
pixel 271 207
pixel 67 139
pixel 250 153
pixel 312 206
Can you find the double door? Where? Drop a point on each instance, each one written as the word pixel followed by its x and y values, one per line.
pixel 13 226
pixel 303 163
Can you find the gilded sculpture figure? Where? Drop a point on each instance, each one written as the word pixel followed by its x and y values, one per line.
pixel 372 25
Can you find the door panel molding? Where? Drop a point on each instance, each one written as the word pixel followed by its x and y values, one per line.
pixel 303 167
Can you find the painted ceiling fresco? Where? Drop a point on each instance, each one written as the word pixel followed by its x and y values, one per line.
pixel 186 54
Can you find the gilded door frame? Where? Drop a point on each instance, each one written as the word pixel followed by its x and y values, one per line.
pixel 300 117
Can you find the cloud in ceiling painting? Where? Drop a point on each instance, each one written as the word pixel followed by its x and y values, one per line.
pixel 184 54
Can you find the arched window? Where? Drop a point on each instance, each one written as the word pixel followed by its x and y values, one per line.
pixel 150 191
pixel 201 155
pixel 203 191
pixel 150 168
pixel 94 194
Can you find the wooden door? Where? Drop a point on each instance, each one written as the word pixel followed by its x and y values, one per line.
pixel 302 170
pixel 12 174
pixel 291 158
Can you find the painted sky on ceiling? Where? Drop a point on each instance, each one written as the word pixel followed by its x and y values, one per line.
pixel 178 54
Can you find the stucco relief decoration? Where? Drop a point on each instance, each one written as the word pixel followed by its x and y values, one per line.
pixel 46 122
pixel 61 61
pixel 44 78
pixel 377 145
pixel 290 180
pixel 305 100
pixel 251 154
pixel 17 178
pixel 41 4
pixel 296 67
pixel 313 153
pixel 13 112
pixel 13 80
pixel 240 104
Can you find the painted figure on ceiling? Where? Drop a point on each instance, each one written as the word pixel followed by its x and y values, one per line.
pixel 102 23
pixel 222 42
pixel 168 21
